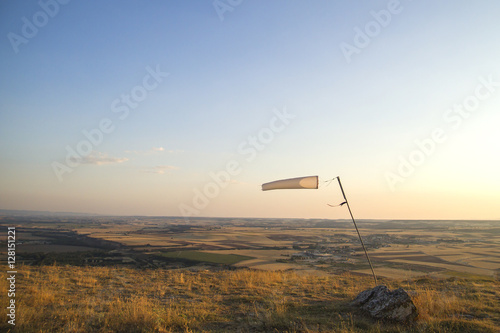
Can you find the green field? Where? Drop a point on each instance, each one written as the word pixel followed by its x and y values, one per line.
pixel 215 258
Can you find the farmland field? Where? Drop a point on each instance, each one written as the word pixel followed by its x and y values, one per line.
pixel 217 258
pixel 398 249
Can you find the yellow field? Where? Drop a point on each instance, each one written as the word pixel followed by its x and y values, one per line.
pixel 427 251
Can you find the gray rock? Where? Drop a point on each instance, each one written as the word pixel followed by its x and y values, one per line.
pixel 381 303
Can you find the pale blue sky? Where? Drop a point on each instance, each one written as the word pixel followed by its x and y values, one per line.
pixel 352 118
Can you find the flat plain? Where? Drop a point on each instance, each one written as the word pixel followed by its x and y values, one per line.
pixel 397 248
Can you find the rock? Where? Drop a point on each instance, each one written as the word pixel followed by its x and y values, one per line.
pixel 381 303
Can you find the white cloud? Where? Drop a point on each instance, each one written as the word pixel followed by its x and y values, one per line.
pixel 154 150
pixel 161 169
pixel 98 158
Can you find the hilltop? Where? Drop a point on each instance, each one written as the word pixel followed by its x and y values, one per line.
pixel 120 299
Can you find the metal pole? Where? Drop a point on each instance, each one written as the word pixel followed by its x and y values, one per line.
pixel 359 235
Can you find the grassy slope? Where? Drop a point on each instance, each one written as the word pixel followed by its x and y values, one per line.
pixel 104 299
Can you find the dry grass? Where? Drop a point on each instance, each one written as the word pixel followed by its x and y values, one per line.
pixel 103 299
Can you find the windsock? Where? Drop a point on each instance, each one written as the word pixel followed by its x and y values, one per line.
pixel 292 183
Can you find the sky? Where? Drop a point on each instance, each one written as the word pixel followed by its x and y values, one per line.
pixel 184 108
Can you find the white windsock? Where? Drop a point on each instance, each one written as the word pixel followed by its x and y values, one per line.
pixel 292 183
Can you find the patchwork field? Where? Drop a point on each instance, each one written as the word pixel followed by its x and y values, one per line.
pixel 216 258
pixel 398 249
